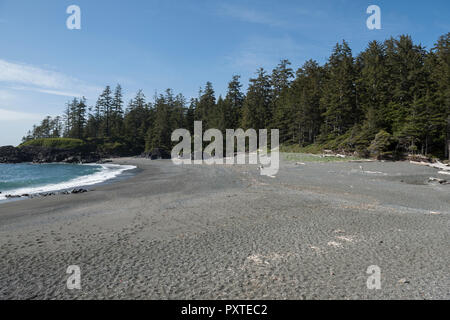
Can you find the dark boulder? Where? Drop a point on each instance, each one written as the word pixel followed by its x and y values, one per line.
pixel 79 190
pixel 10 196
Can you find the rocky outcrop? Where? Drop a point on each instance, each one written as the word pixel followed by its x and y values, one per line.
pixel 47 194
pixel 10 154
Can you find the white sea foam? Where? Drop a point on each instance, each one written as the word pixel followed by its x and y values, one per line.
pixel 108 172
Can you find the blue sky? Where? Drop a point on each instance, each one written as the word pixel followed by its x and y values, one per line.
pixel 157 44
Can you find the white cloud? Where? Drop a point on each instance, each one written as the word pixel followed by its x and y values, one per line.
pixel 9 115
pixel 19 102
pixel 37 79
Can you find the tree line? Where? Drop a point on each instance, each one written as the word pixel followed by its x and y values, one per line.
pixel 392 98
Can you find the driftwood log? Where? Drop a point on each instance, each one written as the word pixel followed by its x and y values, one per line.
pixel 437 165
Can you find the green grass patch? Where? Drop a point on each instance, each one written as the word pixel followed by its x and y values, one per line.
pixel 55 143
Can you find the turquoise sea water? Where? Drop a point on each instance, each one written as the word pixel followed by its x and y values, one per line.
pixel 17 179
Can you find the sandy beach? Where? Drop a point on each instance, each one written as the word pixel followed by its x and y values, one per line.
pixel 226 232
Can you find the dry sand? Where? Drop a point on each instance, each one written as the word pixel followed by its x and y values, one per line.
pixel 225 232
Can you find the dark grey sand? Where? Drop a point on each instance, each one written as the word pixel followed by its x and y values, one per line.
pixel 225 232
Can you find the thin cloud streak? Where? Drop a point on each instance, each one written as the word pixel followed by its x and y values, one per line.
pixel 49 91
pixel 37 79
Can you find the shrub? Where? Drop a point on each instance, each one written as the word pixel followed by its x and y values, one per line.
pixel 380 144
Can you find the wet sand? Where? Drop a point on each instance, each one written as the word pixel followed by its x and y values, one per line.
pixel 225 232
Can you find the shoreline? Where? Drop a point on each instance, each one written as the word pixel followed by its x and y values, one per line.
pixel 76 185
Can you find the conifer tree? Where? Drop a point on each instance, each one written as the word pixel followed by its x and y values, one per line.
pixel 105 106
pixel 136 122
pixel 205 106
pixel 117 113
pixel 233 103
pixel 339 94
pixel 257 103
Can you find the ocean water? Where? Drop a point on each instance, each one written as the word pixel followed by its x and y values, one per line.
pixel 24 178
